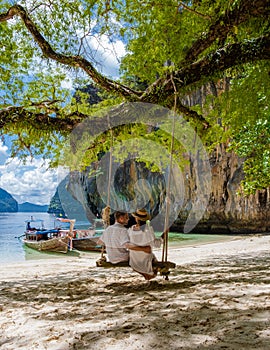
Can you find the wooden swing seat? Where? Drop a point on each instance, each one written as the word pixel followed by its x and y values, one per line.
pixel 103 263
pixel 160 265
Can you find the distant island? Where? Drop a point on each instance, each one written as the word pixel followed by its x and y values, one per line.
pixel 30 207
pixel 7 203
pixel 61 204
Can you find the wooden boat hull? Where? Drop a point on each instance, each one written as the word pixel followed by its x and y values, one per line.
pixel 86 243
pixel 56 244
pixel 82 239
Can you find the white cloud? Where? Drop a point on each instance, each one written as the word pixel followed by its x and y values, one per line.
pixel 32 182
pixel 107 54
pixel 105 51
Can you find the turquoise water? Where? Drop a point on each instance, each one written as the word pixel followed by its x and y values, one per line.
pixel 182 239
pixel 12 226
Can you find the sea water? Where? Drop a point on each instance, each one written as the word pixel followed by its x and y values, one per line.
pixel 12 226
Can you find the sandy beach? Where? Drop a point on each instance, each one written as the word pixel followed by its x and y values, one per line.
pixel 217 297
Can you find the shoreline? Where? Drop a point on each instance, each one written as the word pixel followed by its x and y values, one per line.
pixel 217 297
pixel 177 253
pixel 33 256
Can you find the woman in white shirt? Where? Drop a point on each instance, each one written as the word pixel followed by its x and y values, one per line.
pixel 141 261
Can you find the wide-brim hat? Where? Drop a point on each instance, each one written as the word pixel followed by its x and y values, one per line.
pixel 141 214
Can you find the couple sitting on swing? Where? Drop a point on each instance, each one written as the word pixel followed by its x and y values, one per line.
pixel 133 245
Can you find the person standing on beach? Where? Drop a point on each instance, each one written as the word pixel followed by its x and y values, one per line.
pixel 116 240
pixel 142 261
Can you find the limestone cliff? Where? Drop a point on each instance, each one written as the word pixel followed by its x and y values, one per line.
pixel 85 189
pixel 227 211
pixel 63 204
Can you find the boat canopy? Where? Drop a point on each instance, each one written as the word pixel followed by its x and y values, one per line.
pixel 70 221
pixel 34 224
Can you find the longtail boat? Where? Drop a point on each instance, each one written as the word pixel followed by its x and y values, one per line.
pixel 82 239
pixel 37 237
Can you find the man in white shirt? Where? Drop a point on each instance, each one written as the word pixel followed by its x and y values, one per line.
pixel 116 240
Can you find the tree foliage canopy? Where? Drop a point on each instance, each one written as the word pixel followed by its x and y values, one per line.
pixel 172 48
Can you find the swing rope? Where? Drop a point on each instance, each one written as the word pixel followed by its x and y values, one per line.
pixel 107 210
pixel 168 189
pixel 110 172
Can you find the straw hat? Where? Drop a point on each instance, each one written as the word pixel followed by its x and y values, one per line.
pixel 141 214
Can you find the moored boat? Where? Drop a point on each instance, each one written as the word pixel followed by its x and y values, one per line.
pixel 82 239
pixel 86 243
pixel 40 239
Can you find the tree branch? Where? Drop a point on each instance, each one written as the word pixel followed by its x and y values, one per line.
pixel 44 121
pixel 225 24
pixel 213 64
pixel 193 11
pixel 73 61
pixel 161 91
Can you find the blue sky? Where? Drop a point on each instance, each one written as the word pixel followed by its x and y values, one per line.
pixel 33 182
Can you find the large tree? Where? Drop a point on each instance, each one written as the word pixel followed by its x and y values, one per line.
pixel 173 48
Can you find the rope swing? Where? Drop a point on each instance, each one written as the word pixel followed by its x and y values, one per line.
pixel 164 266
pixel 168 189
pixel 106 212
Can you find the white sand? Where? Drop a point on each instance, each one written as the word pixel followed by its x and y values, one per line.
pixel 218 297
